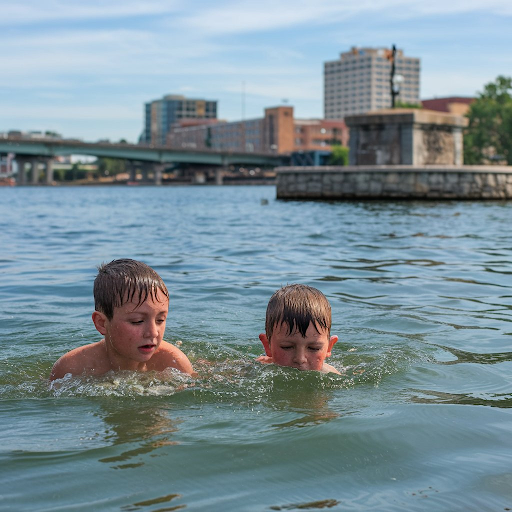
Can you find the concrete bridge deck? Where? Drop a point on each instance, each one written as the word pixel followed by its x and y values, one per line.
pixel 35 151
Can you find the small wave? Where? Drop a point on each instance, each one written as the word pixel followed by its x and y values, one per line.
pixel 124 383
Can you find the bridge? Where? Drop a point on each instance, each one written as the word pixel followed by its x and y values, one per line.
pixel 156 158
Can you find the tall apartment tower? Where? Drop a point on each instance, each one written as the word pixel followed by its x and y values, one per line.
pixel 161 114
pixel 359 81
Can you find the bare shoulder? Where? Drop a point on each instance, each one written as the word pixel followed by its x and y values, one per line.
pixel 87 359
pixel 170 356
pixel 327 368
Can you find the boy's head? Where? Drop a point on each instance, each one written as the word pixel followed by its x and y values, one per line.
pixel 297 328
pixel 126 280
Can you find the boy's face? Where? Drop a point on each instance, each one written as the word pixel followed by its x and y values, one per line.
pixel 303 353
pixel 135 332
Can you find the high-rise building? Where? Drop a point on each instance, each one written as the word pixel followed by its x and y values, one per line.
pixel 161 114
pixel 359 81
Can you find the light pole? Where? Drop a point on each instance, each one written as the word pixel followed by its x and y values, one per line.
pixel 394 81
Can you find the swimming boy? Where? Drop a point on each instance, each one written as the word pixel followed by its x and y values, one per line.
pixel 297 329
pixel 131 304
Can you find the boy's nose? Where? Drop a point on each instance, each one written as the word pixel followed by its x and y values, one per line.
pixel 152 330
pixel 300 356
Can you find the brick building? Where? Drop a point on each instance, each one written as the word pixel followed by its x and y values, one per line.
pixel 458 105
pixel 277 132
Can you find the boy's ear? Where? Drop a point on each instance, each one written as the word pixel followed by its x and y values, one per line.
pixel 266 344
pixel 100 321
pixel 332 341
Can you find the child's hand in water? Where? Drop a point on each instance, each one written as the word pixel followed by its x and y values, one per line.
pixel 265 359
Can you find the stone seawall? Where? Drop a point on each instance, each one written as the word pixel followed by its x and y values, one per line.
pixel 395 182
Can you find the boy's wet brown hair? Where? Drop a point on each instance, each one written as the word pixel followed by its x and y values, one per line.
pixel 296 306
pixel 124 280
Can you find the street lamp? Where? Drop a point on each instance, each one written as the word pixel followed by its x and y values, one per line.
pixel 397 82
pixel 394 81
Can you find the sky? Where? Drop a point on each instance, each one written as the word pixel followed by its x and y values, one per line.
pixel 85 68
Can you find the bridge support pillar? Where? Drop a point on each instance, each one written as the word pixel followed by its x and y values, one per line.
pixel 49 171
pixel 199 178
pixel 20 178
pixel 158 170
pixel 221 171
pixel 34 164
pixel 145 171
pixel 219 175
pixel 132 171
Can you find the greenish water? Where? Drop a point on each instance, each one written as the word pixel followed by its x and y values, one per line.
pixel 420 418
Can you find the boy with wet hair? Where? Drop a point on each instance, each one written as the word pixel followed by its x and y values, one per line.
pixel 131 305
pixel 298 329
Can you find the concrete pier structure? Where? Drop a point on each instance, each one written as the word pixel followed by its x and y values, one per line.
pixel 395 182
pixel 400 154
pixel 49 170
pixel 406 137
pixel 21 163
pixel 34 164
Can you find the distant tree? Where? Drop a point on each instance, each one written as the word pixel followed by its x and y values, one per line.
pixel 110 166
pixel 488 137
pixel 50 133
pixel 339 155
pixel 75 173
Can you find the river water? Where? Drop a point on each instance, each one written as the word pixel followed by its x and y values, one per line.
pixel 420 418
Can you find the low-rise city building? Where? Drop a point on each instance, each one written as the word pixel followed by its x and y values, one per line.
pixel 276 132
pixel 458 105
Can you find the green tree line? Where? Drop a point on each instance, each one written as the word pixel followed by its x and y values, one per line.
pixel 488 137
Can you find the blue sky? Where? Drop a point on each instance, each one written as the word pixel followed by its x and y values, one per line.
pixel 85 68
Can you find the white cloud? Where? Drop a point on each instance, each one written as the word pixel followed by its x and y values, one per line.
pixel 245 17
pixel 89 61
pixel 100 112
pixel 34 11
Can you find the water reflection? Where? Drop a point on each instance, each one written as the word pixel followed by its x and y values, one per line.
pixel 503 401
pixel 155 501
pixel 463 356
pixel 312 406
pixel 139 428
pixel 311 505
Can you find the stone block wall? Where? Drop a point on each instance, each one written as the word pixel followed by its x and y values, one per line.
pixel 405 137
pixel 395 182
